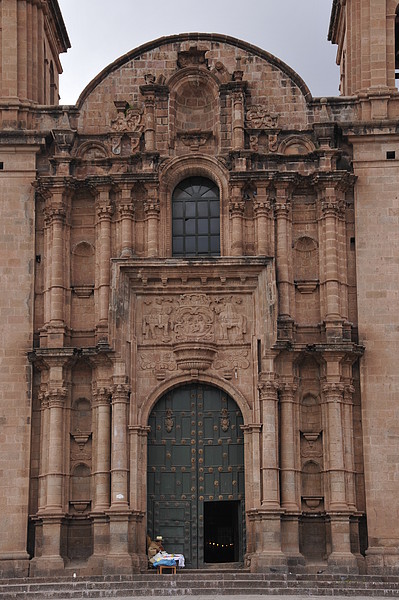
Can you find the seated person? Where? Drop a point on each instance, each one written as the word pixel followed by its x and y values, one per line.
pixel 158 556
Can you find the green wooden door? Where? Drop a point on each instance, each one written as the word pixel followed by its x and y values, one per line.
pixel 195 456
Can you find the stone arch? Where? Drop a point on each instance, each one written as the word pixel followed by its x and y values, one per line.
pixel 92 150
pixel 311 479
pixel 296 145
pixel 306 259
pixel 182 380
pixel 196 464
pixel 196 218
pixel 81 419
pixel 80 483
pixel 183 168
pixel 194 110
pixel 82 264
pixel 310 414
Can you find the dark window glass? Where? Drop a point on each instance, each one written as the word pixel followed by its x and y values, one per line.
pixel 196 218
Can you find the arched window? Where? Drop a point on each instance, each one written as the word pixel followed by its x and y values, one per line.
pixel 196 218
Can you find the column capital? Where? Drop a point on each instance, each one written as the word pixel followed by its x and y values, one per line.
pixel 287 389
pixel 104 211
pixel 268 386
pixel 282 210
pixel 152 207
pixel 126 210
pixel 120 393
pixel 262 207
pixel 236 207
pixel 332 390
pixel 332 207
pixel 349 390
pixel 101 396
pixel 57 396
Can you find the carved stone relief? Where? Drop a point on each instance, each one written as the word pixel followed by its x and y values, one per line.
pixel 193 317
pixel 259 117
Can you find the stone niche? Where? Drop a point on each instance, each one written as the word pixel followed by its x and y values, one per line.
pixel 187 319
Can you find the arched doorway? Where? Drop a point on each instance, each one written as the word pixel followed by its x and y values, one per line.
pixel 196 475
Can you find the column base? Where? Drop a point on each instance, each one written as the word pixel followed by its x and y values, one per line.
pixel 342 562
pixel 14 565
pixel 120 564
pixel 296 563
pixel 269 562
pixel 45 566
pixel 382 561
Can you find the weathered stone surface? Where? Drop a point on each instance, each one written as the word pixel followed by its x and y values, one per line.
pixel 280 289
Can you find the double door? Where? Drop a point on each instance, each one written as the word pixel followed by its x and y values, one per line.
pixel 196 475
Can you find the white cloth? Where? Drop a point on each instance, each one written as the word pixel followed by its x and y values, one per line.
pixel 179 558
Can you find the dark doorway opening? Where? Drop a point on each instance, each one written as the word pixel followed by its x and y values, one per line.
pixel 221 532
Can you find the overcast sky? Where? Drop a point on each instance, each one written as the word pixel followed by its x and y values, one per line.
pixel 293 30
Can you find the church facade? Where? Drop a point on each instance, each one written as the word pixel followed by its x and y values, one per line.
pixel 200 304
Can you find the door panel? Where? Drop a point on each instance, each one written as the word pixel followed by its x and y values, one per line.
pixel 195 455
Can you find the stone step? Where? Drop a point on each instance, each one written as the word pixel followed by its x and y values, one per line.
pixel 199 583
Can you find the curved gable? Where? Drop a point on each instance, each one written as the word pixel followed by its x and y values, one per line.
pixel 220 61
pixel 194 37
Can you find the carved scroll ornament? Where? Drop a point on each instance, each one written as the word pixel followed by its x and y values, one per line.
pixel 259 117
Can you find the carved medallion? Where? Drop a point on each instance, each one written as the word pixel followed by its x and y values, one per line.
pixel 259 117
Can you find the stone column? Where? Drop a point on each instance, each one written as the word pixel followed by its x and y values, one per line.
pixel 330 210
pixel 236 208
pixel 333 400
pixel 268 387
pixel 149 128
pixel 101 477
pixel 56 469
pixel 22 79
pixel 152 210
pixel 338 510
pixel 119 454
pixel 283 250
pixel 44 444
pixel 349 445
pixel 56 215
pixel 118 559
pixel 267 519
pixel 288 446
pixel 238 120
pixel 101 449
pixel 52 514
pixel 126 213
pixel 262 221
pixel 103 250
pixel 252 455
pixel 138 488
pixel 289 450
